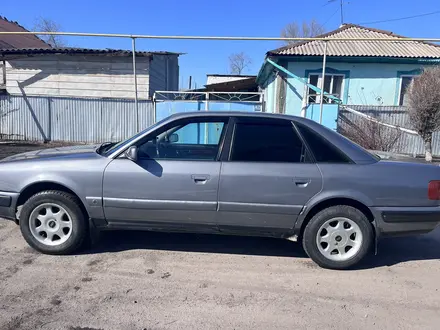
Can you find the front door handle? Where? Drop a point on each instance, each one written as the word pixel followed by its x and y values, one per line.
pixel 200 178
pixel 301 182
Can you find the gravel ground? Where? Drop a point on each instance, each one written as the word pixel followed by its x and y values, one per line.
pixel 135 280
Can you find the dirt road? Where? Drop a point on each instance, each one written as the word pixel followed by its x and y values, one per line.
pixel 176 281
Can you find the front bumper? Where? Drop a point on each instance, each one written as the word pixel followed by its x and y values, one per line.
pixel 8 202
pixel 403 221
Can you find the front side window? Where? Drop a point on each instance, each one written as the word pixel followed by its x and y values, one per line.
pixel 332 85
pixel 404 84
pixel 267 143
pixel 184 141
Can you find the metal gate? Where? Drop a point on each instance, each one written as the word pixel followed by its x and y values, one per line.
pixel 167 103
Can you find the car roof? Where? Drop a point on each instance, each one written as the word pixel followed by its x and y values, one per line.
pixel 233 114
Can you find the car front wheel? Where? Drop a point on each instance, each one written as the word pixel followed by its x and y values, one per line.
pixel 338 237
pixel 52 222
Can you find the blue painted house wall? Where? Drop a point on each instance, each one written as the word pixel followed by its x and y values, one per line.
pixel 364 83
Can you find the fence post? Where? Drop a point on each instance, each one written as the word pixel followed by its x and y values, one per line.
pixel 206 109
pixel 135 83
pixel 321 103
pixel 49 119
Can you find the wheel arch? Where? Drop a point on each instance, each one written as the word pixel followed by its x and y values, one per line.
pixel 325 203
pixel 40 186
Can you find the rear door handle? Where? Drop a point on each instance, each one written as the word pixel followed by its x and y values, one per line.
pixel 301 182
pixel 200 178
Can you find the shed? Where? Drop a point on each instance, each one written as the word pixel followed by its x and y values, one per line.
pixel 83 72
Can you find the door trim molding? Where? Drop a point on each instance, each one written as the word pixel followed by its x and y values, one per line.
pixel 259 208
pixel 131 203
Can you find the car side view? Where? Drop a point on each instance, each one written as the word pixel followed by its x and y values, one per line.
pixel 224 173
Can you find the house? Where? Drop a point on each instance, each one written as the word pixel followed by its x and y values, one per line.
pixel 32 67
pixel 358 72
pixel 77 94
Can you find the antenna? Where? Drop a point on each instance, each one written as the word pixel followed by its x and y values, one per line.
pixel 341 4
pixel 342 11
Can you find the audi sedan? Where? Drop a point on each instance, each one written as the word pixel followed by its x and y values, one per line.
pixel 223 173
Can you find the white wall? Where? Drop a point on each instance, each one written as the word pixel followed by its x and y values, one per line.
pixel 77 76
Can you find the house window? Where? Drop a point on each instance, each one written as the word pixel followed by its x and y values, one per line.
pixel 405 81
pixel 332 85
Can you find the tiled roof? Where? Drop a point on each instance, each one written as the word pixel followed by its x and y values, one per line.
pixel 74 51
pixel 18 40
pixel 403 49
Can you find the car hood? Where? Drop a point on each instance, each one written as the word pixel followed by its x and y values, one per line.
pixel 82 151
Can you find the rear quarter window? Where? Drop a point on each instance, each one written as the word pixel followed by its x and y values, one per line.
pixel 323 150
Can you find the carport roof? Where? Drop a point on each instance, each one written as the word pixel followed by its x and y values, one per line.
pixel 83 51
pixel 361 48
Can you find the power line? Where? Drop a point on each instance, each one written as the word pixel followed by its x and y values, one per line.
pixel 330 17
pixel 341 4
pixel 402 18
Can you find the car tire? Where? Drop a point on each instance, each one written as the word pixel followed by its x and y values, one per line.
pixel 52 222
pixel 338 237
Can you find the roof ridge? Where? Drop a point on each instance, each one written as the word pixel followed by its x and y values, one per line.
pixel 300 43
pixel 342 28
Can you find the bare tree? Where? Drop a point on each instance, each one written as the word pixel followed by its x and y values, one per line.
pixel 305 30
pixel 238 62
pixel 369 134
pixel 423 96
pixel 47 25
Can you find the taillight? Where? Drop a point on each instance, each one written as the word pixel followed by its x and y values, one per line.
pixel 434 190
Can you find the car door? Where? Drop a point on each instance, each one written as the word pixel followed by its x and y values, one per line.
pixel 174 180
pixel 267 178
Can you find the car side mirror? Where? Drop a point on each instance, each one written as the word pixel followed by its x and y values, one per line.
pixel 132 153
pixel 173 138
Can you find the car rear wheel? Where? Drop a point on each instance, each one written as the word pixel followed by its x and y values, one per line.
pixel 338 237
pixel 52 222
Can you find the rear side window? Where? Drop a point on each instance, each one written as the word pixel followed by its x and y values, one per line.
pixel 267 143
pixel 323 150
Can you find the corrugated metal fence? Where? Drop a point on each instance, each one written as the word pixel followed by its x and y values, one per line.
pixel 71 119
pixel 407 143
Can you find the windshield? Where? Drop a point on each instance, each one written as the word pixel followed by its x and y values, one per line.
pixel 120 145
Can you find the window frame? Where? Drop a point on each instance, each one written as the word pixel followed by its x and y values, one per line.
pixel 183 122
pixel 229 141
pixel 317 96
pixel 400 95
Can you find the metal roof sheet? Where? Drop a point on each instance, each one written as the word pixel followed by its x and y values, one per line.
pixel 373 48
pixel 75 51
pixel 18 41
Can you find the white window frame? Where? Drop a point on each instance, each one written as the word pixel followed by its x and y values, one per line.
pixel 400 86
pixel 318 97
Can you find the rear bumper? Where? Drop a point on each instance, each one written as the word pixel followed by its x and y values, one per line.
pixel 402 221
pixel 8 201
